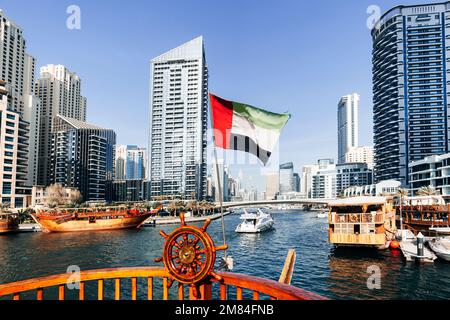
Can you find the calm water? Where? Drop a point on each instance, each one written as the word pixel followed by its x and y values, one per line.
pixel 319 267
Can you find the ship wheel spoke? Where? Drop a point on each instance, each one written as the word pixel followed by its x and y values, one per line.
pixel 176 245
pixel 196 240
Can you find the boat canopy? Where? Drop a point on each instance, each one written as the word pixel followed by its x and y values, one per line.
pixel 358 201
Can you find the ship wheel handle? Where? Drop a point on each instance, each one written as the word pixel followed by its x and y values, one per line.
pixel 189 254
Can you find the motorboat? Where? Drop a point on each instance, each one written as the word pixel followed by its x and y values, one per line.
pixel 255 222
pixel 441 243
pixel 408 246
pixel 441 246
pixel 322 215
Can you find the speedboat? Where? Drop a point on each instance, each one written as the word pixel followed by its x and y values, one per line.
pixel 408 246
pixel 255 222
pixel 322 215
pixel 441 244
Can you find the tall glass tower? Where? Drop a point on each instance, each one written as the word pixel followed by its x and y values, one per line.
pixel 348 121
pixel 410 56
pixel 179 109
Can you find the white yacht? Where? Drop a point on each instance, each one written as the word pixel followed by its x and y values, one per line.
pixel 255 222
pixel 441 244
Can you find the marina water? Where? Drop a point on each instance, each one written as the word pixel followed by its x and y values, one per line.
pixel 321 268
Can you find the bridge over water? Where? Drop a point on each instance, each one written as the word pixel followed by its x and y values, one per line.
pixel 275 202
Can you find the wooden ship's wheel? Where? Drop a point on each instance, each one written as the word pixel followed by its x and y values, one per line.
pixel 189 255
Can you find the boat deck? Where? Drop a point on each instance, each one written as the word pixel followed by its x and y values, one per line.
pixel 409 250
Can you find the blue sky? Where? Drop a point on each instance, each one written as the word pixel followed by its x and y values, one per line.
pixel 296 56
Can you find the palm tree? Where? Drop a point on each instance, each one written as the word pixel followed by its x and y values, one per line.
pixel 192 206
pixel 427 191
pixel 4 206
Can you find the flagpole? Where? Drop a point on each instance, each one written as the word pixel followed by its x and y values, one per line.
pixel 219 183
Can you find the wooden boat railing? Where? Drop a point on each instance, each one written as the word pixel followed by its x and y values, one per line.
pixel 356 218
pixel 257 286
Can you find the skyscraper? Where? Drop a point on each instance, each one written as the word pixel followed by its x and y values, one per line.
pixel 272 185
pixel 13 153
pixel 12 66
pixel 410 74
pixel 130 162
pixel 348 135
pixel 18 116
pixel 179 109
pixel 287 183
pixel 82 157
pixel 363 154
pixel 60 93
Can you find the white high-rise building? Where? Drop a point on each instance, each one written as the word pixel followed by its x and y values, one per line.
pixel 31 113
pixel 19 107
pixel 60 93
pixel 179 109
pixel 324 180
pixel 348 122
pixel 12 61
pixel 319 180
pixel 362 154
pixel 13 154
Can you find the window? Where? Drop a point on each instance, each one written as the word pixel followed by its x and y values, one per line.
pixel 19 203
pixel 6 189
pixel 9 154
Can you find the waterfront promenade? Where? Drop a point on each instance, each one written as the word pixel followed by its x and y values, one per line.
pixel 176 220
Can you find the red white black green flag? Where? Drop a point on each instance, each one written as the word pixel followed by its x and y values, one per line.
pixel 241 127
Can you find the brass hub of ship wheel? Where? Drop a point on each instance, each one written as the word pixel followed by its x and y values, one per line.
pixel 189 254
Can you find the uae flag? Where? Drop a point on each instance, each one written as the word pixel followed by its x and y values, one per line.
pixel 241 127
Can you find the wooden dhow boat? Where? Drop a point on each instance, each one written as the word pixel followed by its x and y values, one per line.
pixel 361 222
pixel 91 219
pixel 189 256
pixel 9 222
pixel 422 214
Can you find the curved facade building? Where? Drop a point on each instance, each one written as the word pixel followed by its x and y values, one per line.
pixel 410 52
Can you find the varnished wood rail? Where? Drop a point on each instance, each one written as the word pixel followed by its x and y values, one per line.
pixel 257 286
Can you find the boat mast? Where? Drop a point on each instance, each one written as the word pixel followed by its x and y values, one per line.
pixel 219 183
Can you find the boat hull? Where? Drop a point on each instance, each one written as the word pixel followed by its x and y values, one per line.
pixel 48 225
pixel 8 227
pixel 440 250
pixel 259 229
